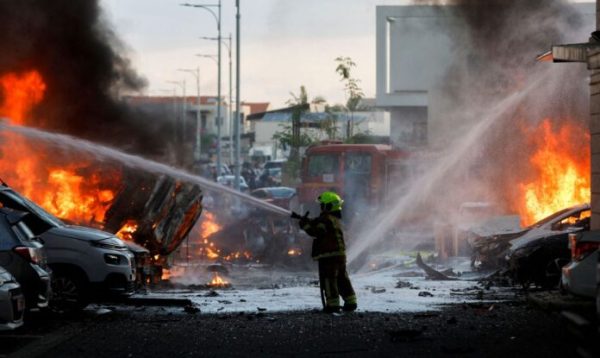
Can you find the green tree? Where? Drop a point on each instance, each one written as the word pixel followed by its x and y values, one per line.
pixel 351 86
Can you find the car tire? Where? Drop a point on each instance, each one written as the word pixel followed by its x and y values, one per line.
pixel 69 291
pixel 551 278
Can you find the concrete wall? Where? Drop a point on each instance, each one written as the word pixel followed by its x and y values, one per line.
pixel 413 52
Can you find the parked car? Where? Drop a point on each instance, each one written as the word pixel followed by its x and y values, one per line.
pixel 277 163
pixel 23 255
pixel 270 177
pixel 12 302
pixel 490 251
pixel 280 196
pixel 230 179
pixel 579 275
pixel 87 264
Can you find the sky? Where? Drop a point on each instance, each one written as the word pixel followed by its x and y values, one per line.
pixel 284 44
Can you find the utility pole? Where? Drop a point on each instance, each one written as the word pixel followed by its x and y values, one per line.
pixel 238 117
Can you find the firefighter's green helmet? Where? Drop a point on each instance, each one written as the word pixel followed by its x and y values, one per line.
pixel 331 198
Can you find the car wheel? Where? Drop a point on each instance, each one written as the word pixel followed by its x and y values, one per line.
pixel 552 275
pixel 69 292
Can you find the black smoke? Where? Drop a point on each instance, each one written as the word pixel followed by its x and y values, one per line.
pixel 81 61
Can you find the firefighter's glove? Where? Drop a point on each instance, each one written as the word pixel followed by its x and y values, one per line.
pixel 304 220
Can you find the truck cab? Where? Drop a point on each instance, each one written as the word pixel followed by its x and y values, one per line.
pixel 363 174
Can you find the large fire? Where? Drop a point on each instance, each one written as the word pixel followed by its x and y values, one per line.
pixel 76 190
pixel 562 166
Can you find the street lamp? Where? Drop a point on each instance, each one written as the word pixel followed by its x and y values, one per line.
pixel 208 7
pixel 198 151
pixel 230 106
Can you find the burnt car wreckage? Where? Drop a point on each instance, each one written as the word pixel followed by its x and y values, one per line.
pixel 534 255
pixel 162 210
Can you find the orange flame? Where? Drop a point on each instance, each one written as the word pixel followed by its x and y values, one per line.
pixel 200 237
pixel 209 225
pixel 127 231
pixel 217 281
pixel 21 93
pixel 562 163
pixel 69 191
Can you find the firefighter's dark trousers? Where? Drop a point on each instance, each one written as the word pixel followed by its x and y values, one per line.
pixel 334 281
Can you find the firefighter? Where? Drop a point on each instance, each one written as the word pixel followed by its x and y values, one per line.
pixel 329 250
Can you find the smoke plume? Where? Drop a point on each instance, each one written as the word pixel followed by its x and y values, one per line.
pixel 80 60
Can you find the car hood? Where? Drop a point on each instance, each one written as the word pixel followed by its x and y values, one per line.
pixel 536 234
pixel 79 233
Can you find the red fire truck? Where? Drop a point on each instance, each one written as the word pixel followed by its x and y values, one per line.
pixel 363 174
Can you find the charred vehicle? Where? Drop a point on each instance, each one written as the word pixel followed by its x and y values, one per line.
pixel 155 212
pixel 539 261
pixel 491 251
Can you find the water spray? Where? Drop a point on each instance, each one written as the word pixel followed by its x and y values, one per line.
pixel 134 161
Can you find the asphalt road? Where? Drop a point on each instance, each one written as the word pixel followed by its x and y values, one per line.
pixel 474 330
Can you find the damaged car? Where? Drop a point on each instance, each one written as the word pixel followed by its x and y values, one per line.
pixel 491 251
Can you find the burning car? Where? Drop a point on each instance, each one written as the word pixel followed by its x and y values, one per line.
pixel 491 251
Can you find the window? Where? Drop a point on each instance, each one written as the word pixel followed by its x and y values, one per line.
pixel 322 164
pixel 357 163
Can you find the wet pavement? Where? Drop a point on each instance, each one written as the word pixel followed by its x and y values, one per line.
pixel 273 313
pixel 468 329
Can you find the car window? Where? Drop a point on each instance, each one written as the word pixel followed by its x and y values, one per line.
pixel 23 232
pixel 581 219
pixel 549 218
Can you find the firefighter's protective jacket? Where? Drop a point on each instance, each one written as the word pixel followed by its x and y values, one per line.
pixel 328 234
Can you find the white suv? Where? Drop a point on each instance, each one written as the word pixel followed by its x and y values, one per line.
pixel 87 264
